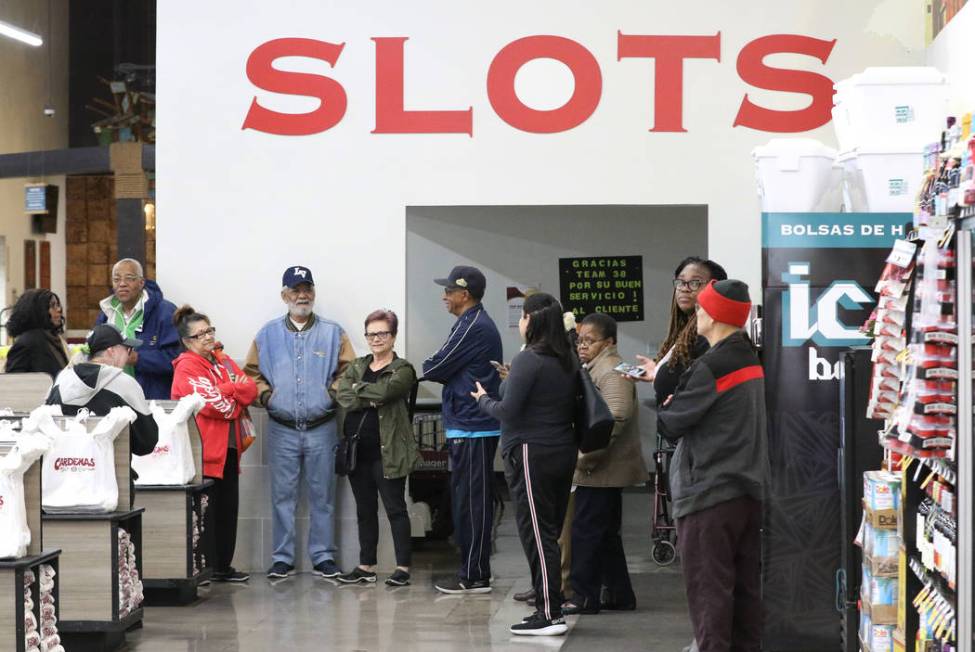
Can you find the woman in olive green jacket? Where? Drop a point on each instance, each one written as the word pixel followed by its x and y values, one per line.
pixel 373 394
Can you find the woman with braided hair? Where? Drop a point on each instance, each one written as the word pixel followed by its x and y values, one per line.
pixel 682 345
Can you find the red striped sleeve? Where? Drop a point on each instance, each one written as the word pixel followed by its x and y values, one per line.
pixel 736 378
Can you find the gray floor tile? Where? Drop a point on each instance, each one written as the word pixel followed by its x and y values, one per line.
pixel 306 612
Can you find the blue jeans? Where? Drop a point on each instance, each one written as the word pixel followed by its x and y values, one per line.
pixel 308 453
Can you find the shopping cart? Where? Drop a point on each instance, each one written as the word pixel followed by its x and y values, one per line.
pixel 663 532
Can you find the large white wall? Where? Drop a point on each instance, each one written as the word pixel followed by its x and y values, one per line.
pixel 237 206
pixel 953 52
pixel 24 84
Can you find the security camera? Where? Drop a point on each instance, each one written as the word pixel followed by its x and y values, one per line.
pixel 49 111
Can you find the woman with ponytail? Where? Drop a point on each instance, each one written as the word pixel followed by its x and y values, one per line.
pixel 536 412
pixel 201 369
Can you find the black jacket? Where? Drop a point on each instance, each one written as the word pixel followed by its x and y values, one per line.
pixel 717 416
pixel 37 350
pixel 99 388
pixel 537 403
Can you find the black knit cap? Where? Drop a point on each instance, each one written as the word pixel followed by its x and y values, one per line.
pixel 733 289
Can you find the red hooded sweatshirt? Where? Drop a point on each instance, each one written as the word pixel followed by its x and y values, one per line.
pixel 226 391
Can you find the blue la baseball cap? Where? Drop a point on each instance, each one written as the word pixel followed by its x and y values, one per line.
pixel 294 276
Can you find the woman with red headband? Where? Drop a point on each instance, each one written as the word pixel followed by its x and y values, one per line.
pixel 719 473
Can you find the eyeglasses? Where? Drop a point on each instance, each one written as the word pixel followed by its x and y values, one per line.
pixel 378 335
pixel 128 278
pixel 210 331
pixel 588 341
pixel 693 285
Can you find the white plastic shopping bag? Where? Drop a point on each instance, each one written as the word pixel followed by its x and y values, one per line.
pixel 79 470
pixel 15 534
pixel 171 462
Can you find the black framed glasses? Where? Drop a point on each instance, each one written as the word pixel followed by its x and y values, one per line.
pixel 378 335
pixel 694 284
pixel 202 334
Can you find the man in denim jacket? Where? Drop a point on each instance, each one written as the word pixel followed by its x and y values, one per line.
pixel 472 436
pixel 294 361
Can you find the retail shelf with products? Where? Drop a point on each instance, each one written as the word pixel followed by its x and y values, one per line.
pixel 29 594
pixel 922 388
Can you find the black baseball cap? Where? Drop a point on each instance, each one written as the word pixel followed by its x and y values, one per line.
pixel 105 336
pixel 467 278
pixel 295 276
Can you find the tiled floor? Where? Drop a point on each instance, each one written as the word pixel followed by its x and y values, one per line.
pixel 306 613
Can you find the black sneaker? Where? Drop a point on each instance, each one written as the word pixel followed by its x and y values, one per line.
pixel 456 585
pixel 230 575
pixel 328 568
pixel 280 570
pixel 357 575
pixel 538 625
pixel 398 578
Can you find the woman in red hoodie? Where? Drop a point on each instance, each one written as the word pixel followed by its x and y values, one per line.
pixel 204 370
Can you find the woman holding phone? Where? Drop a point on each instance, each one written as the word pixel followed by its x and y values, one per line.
pixel 536 411
pixel 682 345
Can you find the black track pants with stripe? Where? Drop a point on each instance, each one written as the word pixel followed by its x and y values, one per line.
pixel 472 503
pixel 540 478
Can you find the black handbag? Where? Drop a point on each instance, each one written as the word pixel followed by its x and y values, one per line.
pixel 593 420
pixel 346 455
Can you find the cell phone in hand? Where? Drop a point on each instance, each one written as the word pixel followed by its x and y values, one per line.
pixel 497 365
pixel 630 369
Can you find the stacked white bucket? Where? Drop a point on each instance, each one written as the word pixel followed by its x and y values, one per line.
pixel 883 117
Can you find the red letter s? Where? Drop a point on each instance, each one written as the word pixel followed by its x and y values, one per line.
pixel 753 71
pixel 262 74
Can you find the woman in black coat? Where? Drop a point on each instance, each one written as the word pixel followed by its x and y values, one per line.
pixel 36 324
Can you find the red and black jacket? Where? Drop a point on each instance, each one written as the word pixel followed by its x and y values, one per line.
pixel 717 416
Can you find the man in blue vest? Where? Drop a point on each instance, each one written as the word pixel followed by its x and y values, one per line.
pixel 294 361
pixel 472 436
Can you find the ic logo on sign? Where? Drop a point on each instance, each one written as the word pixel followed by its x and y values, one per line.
pixel 819 321
pixel 804 320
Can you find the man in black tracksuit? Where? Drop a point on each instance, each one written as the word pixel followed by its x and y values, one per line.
pixel 719 474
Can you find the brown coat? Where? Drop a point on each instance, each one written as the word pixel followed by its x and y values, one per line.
pixel 621 463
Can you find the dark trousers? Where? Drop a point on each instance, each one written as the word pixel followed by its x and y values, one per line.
pixel 368 484
pixel 224 501
pixel 539 478
pixel 472 502
pixel 597 548
pixel 720 549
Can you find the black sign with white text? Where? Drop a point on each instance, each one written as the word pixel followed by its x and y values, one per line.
pixel 608 284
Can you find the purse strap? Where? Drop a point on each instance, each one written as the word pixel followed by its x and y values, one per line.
pixel 358 429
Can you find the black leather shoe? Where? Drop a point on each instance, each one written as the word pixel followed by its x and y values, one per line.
pixel 525 596
pixel 571 608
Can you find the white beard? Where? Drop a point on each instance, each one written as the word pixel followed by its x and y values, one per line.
pixel 300 311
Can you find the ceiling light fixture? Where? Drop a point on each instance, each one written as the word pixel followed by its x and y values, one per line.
pixel 22 35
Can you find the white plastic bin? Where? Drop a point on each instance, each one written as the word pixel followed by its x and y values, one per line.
pixel 879 180
pixel 890 107
pixel 794 174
